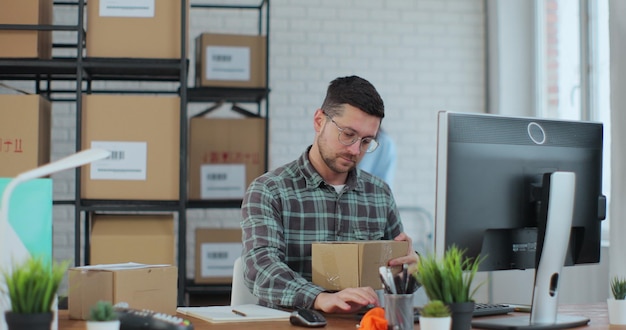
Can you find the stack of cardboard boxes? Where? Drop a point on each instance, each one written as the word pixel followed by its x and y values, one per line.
pixel 143 134
pixel 25 125
pixel 225 154
pixel 142 131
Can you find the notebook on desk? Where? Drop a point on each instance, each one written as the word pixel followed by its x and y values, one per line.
pixel 240 313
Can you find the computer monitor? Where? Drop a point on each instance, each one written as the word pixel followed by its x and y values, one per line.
pixel 504 183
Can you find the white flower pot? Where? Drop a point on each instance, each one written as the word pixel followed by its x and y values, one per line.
pixel 106 325
pixel 617 311
pixel 435 323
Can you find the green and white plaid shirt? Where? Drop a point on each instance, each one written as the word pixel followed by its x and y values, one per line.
pixel 287 209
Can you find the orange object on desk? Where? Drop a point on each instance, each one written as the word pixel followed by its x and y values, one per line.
pixel 374 319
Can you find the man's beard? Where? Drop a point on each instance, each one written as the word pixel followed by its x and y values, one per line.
pixel 331 160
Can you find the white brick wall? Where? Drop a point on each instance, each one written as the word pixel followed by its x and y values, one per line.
pixel 422 55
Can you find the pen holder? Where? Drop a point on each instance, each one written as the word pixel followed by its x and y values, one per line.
pixel 399 311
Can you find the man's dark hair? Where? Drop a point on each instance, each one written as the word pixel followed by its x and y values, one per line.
pixel 356 92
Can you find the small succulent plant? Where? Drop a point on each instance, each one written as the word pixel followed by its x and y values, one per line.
pixel 102 311
pixel 435 308
pixel 618 287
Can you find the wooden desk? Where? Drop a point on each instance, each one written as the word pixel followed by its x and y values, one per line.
pixel 596 312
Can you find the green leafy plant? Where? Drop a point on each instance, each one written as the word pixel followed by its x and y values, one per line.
pixel 450 278
pixel 435 308
pixel 33 284
pixel 618 288
pixel 102 311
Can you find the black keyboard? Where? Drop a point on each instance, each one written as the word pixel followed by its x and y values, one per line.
pixel 480 309
pixel 484 309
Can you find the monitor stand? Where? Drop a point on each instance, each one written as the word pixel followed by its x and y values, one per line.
pixel 560 188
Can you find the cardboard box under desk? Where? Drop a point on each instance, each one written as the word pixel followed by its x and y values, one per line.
pixel 140 238
pixel 134 29
pixel 225 155
pixel 351 264
pixel 26 43
pixel 150 287
pixel 216 251
pixel 143 134
pixel 231 60
pixel 24 133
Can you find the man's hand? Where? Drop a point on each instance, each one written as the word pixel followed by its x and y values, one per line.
pixel 411 257
pixel 348 300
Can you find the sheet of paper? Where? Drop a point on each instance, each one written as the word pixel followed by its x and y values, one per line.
pixel 221 314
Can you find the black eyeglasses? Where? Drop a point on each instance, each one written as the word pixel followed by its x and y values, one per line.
pixel 348 137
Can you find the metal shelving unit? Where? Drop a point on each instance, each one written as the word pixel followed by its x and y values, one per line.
pixel 234 95
pixel 44 73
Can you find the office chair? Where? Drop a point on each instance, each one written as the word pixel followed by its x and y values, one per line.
pixel 240 295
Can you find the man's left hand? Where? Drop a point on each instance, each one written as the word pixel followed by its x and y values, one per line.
pixel 411 257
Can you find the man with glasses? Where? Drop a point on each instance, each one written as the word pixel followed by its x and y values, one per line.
pixel 321 196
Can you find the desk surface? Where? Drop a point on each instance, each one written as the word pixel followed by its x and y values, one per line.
pixel 597 313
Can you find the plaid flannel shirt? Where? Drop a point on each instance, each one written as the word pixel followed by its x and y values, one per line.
pixel 287 209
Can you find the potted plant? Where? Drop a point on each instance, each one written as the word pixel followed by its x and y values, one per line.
pixel 102 316
pixel 31 287
pixel 617 304
pixel 450 279
pixel 435 315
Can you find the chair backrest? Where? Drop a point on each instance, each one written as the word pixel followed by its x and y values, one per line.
pixel 240 295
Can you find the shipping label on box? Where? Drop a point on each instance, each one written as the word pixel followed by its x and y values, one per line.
pixel 351 264
pixel 217 259
pixel 216 251
pixel 127 8
pixel 128 161
pixel 227 63
pixel 223 181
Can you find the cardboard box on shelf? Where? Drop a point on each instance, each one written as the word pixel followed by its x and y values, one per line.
pixel 134 28
pixel 231 60
pixel 216 251
pixel 225 155
pixel 24 133
pixel 350 264
pixel 143 134
pixel 140 238
pixel 26 43
pixel 152 287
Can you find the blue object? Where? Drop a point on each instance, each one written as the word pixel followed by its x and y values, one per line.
pixel 30 215
pixel 382 161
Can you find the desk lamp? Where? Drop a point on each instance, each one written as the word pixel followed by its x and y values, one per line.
pixel 11 240
pixel 11 247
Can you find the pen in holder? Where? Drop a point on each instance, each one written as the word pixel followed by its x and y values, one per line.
pixel 398 297
pixel 402 282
